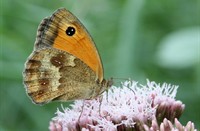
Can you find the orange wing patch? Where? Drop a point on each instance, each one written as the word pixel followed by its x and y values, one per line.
pixel 80 44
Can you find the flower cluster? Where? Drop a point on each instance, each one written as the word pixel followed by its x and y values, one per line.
pixel 131 106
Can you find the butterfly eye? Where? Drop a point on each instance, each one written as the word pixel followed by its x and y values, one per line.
pixel 70 31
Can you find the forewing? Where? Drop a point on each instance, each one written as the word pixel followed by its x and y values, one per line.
pixel 52 33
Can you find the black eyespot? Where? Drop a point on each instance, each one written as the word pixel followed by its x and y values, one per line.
pixel 70 31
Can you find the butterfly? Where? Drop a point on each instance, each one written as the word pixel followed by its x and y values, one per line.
pixel 65 64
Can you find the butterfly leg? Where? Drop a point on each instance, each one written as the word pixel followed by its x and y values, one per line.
pixel 100 103
pixel 82 108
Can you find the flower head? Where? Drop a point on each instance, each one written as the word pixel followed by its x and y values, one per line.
pixel 129 106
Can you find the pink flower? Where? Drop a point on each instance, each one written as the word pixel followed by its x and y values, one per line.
pixel 167 125
pixel 129 106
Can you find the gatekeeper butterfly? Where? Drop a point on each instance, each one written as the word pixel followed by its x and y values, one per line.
pixel 65 64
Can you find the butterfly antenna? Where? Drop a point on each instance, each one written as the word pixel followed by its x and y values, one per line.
pixel 129 85
pixel 118 78
pixel 125 79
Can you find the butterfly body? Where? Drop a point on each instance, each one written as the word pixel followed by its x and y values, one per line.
pixel 65 64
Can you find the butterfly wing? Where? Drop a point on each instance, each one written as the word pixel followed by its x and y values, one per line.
pixel 64 65
pixel 52 32
pixel 52 74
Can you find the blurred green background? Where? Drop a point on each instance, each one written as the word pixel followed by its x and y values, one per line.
pixel 138 39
